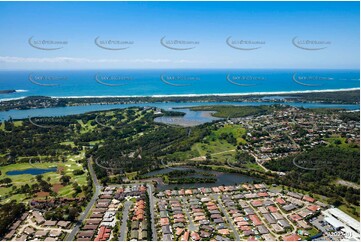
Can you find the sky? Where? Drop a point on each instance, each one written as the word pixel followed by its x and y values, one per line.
pixel 261 35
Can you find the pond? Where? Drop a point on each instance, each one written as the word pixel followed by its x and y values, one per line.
pixel 223 178
pixel 31 171
pixel 191 118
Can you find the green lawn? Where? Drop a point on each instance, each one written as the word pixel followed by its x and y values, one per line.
pixel 86 127
pixel 311 233
pixel 16 124
pixel 229 111
pixel 216 146
pixel 350 209
pixel 338 141
pixel 220 148
pixel 254 166
pixel 68 143
pixel 51 177
pixel 237 131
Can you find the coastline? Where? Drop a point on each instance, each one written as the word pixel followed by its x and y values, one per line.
pixel 196 95
pixel 217 94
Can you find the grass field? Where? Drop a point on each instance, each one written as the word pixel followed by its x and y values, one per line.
pixel 16 124
pixel 339 142
pixel 349 210
pixel 237 130
pixel 220 148
pixel 235 111
pixel 51 177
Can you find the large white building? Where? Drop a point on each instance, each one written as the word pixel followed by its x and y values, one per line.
pixel 341 221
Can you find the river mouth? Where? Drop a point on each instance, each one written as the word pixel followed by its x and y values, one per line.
pixel 31 171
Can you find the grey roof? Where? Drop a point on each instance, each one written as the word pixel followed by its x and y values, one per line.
pixel 283 223
pixel 269 218
pixel 166 229
pixel 167 237
pixel 248 211
pixel 289 207
pixel 262 229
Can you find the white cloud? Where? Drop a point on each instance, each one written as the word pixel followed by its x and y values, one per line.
pixel 12 59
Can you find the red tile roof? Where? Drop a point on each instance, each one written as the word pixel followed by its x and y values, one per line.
pixel 280 201
pixel 295 217
pixel 292 237
pixel 309 199
pixel 256 221
pixel 272 209
pixel 313 208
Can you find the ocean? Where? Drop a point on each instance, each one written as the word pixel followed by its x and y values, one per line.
pixel 172 82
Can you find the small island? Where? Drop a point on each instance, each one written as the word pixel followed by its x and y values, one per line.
pixel 7 91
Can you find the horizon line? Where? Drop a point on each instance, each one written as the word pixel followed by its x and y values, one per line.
pixel 149 69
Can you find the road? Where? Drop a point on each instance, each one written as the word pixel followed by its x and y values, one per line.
pixel 152 208
pixel 86 211
pixel 191 226
pixel 123 227
pixel 263 219
pixel 230 220
pixel 203 157
pixel 259 163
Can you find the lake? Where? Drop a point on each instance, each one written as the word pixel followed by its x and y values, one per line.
pixel 191 118
pixel 31 171
pixel 223 178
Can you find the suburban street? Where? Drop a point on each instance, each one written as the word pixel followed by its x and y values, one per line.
pixel 152 208
pixel 230 221
pixel 86 211
pixel 123 227
pixel 191 225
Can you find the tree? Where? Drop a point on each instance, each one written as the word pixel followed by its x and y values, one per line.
pixel 6 180
pixel 64 179
pixel 39 177
pixel 73 213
